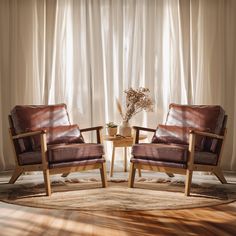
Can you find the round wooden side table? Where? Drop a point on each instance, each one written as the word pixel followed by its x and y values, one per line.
pixel 119 141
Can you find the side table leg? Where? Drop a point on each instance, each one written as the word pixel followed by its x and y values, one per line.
pixel 139 173
pixel 125 159
pixel 112 161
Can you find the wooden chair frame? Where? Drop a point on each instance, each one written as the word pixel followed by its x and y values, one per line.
pixel 190 163
pixel 19 169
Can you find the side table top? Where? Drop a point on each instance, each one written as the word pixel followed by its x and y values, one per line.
pixel 118 137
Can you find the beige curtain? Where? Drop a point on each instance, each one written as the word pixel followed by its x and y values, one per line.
pixel 213 62
pixel 85 53
pixel 22 62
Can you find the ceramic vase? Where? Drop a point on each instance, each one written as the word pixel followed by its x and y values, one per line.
pixel 125 129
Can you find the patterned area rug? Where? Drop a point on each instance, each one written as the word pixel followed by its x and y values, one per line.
pixel 87 194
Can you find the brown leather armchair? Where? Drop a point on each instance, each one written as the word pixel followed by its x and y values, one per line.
pixel 43 139
pixel 192 139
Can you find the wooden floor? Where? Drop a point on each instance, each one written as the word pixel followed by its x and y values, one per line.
pixel 18 220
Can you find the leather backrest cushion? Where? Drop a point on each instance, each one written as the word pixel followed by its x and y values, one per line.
pixel 177 135
pixel 201 117
pixel 32 117
pixel 59 134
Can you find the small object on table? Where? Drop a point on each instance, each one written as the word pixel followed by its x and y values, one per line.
pixel 111 128
pixel 121 141
pixel 125 129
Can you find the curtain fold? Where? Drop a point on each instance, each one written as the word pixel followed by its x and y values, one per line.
pixel 85 53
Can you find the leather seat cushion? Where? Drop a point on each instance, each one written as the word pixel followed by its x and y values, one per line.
pixel 64 154
pixel 173 153
pixel 160 152
pixel 205 158
pixel 30 158
pixel 74 152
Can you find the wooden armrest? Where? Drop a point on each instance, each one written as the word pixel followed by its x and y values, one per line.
pixel 91 129
pixel 143 128
pixel 98 132
pixel 28 134
pixel 207 134
pixel 137 130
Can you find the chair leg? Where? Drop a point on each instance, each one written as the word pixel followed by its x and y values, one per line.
pixel 47 183
pixel 103 173
pixel 188 182
pixel 65 174
pixel 131 175
pixel 219 174
pixel 15 175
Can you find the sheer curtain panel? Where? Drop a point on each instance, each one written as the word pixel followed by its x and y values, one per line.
pixel 85 53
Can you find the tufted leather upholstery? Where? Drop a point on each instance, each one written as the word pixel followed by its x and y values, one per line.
pixel 64 141
pixel 44 140
pixel 30 158
pixel 200 117
pixel 197 116
pixel 59 134
pixel 191 139
pixel 26 118
pixel 31 117
pixel 170 141
pixel 74 152
pixel 160 152
pixel 171 153
pixel 51 118
pixel 176 134
pixel 64 153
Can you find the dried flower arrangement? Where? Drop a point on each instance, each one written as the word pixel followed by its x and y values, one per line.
pixel 137 100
